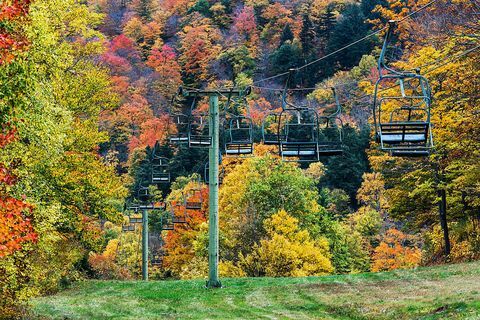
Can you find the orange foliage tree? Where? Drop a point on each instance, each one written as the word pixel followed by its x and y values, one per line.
pixel 396 251
pixel 199 47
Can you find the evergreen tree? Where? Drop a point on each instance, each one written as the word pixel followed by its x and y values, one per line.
pixel 289 55
pixel 307 35
pixel 345 172
pixel 350 28
pixel 308 41
pixel 287 34
pixel 326 24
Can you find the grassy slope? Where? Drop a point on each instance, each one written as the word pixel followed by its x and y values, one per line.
pixel 447 292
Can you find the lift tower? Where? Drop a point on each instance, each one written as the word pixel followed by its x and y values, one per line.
pixel 214 133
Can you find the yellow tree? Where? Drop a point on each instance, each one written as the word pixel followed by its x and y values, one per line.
pixel 287 251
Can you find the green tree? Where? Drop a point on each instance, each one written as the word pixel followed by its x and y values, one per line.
pixel 287 56
pixel 287 34
pixel 351 27
pixel 307 36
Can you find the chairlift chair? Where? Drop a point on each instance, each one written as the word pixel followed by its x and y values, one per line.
pixel 330 138
pixel 271 136
pixel 182 123
pixel 160 170
pixel 239 136
pixel 181 217
pixel 167 222
pixel 193 199
pixel 300 128
pixel 402 120
pixel 198 133
pixel 144 194
pixel 128 228
pixel 206 174
pixel 135 220
pixel 157 260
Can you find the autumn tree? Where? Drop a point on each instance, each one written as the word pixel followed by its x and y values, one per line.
pixel 199 46
pixel 287 251
pixel 349 28
pixel 277 17
pixel 244 29
pixel 17 233
pixel 396 251
pixel 62 175
pixel 413 196
pixel 168 72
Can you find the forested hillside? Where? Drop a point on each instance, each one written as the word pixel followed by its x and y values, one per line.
pixel 89 99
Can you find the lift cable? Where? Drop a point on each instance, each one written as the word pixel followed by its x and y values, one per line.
pixel 445 60
pixel 348 45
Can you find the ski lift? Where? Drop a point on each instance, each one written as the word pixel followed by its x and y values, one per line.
pixel 180 215
pixel 182 123
pixel 239 128
pixel 206 171
pixel 270 136
pixel 128 228
pixel 402 118
pixel 135 220
pixel 239 136
pixel 157 260
pixel 144 194
pixel 198 133
pixel 330 132
pixel 167 222
pixel 193 198
pixel 300 128
pixel 160 170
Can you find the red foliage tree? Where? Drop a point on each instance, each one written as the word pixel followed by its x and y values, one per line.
pixel 11 42
pixel 244 27
pixel 168 71
pixel 15 225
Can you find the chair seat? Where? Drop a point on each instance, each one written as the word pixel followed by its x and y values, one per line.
pixel 400 137
pixel 136 220
pixel 128 228
pixel 193 205
pixel 179 139
pixel 239 151
pixel 199 140
pixel 297 153
pixel 239 148
pixel 410 153
pixel 202 143
pixel 299 149
pixel 396 132
pixel 179 220
pixel 160 179
pixel 168 227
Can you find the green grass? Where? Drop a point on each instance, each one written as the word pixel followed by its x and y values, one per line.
pixel 446 292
